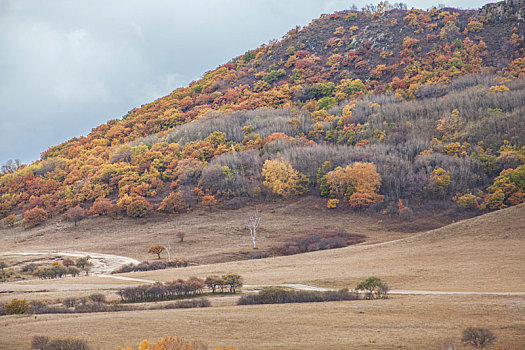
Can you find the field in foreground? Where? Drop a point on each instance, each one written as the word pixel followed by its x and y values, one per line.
pixel 483 254
pixel 407 322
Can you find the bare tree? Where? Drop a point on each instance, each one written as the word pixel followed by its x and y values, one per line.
pixel 11 166
pixel 479 338
pixel 76 214
pixel 180 235
pixel 252 223
pixel 168 250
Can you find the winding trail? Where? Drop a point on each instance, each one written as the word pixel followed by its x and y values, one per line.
pixel 104 264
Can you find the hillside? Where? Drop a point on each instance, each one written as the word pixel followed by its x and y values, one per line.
pixel 387 108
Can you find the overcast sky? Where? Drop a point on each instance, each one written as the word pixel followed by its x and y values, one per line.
pixel 67 66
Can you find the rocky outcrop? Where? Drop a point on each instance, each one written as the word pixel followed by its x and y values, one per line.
pixel 504 10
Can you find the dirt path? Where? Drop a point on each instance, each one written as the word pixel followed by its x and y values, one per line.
pixel 255 288
pixel 103 264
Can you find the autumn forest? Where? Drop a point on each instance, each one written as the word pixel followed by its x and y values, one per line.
pixel 385 109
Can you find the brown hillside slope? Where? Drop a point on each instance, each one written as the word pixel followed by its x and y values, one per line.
pixel 480 254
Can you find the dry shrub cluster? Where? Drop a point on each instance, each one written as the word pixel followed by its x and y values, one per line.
pixel 282 296
pixel 319 241
pixel 151 266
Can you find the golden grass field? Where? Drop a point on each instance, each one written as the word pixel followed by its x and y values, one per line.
pixel 483 254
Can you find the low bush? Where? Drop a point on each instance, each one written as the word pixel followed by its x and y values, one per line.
pixel 17 307
pixel 43 342
pixel 258 255
pixel 151 266
pixel 98 307
pixel 97 298
pixel 282 296
pixel 319 241
pixel 188 304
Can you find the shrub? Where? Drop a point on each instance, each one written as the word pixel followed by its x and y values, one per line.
pixel 174 343
pixel 332 203
pixel 281 296
pixel 97 298
pixel 187 304
pixel 36 307
pixel 475 26
pixel 98 307
pixel 39 342
pixel 34 217
pixel 151 266
pixel 43 342
pixel 10 220
pixel 17 307
pixel 319 241
pixel 258 255
pixel 139 207
pixel 70 302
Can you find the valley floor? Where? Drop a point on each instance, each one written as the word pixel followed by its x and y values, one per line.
pixel 444 270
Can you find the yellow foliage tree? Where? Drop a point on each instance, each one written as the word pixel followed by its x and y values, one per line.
pixel 359 183
pixel 280 177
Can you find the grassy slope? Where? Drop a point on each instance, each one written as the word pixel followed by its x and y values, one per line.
pixel 210 237
pixel 480 254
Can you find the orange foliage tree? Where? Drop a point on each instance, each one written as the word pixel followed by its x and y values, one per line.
pixel 358 183
pixel 34 217
pixel 173 203
pixel 156 249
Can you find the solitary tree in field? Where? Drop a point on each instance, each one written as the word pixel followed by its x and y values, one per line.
pixel 252 223
pixel 371 285
pixel 180 235
pixel 76 214
pixel 156 249
pixel 478 338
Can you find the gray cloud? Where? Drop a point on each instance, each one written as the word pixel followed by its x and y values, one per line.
pixel 66 66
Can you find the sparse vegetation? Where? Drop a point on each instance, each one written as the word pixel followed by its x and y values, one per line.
pixel 17 307
pixel 282 296
pixel 42 342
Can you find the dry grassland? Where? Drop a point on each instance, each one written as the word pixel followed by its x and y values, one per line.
pixel 415 322
pixel 481 254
